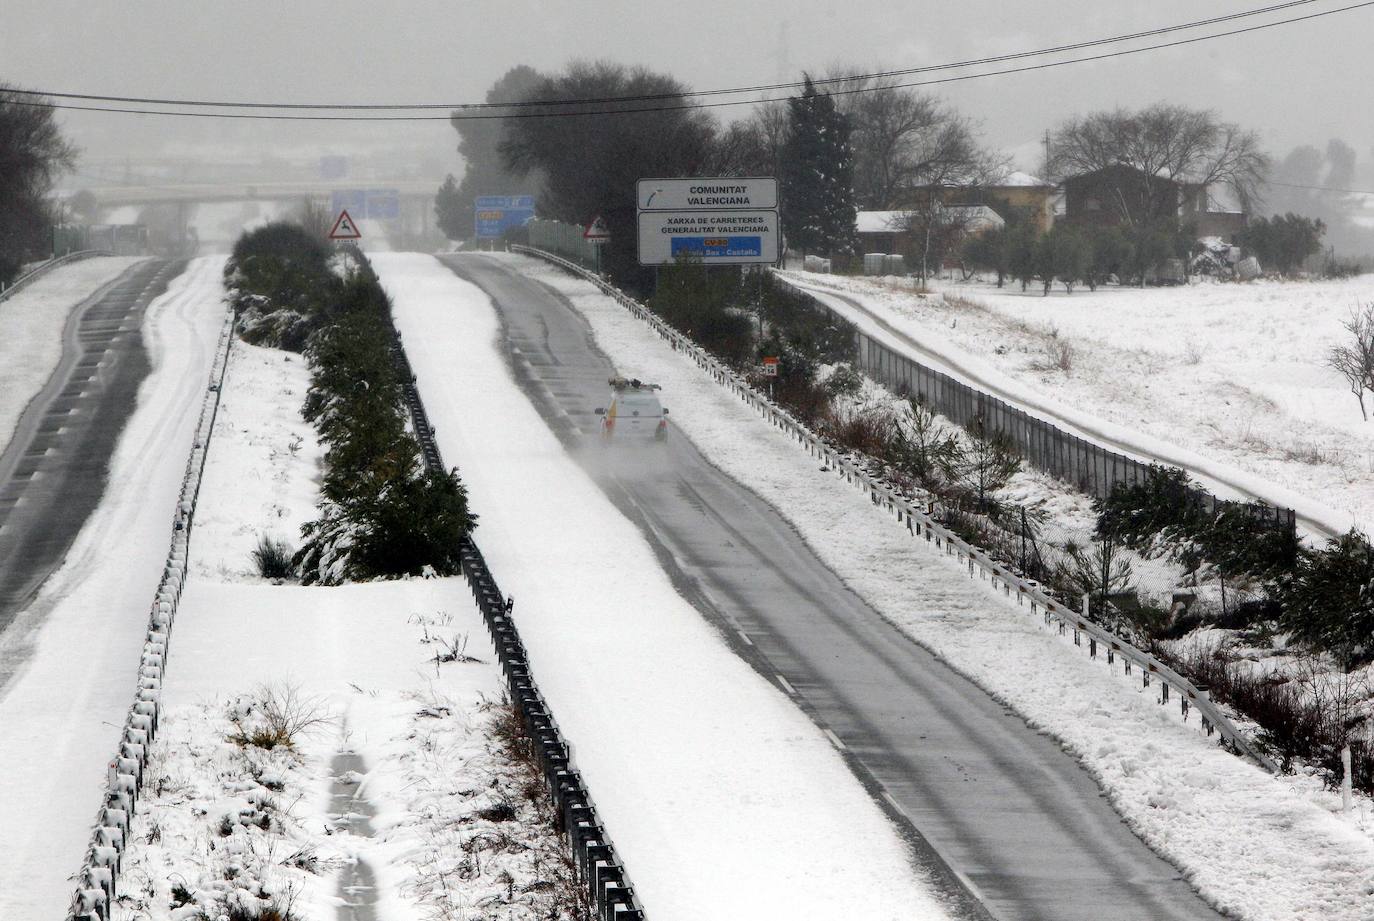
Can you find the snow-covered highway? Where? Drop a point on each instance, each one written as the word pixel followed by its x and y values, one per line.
pixel 73 651
pixel 53 471
pixel 913 728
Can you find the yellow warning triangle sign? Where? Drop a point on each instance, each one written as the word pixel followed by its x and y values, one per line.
pixel 344 228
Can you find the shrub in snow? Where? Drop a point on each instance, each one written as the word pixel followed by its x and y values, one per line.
pixel 279 282
pixel 276 716
pixel 843 380
pixel 1163 514
pixel 705 305
pixel 1328 599
pixel 273 559
pixel 868 429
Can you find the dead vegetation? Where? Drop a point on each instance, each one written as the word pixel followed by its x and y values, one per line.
pixel 276 716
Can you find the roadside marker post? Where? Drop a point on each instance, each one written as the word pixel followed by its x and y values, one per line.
pixel 770 371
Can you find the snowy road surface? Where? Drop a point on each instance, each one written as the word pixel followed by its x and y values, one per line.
pixel 721 796
pixel 31 324
pixel 1036 839
pixel 1225 480
pixel 80 638
pixel 1259 847
pixel 53 471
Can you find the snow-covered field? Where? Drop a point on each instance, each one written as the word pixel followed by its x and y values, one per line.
pixel 1259 847
pixel 697 764
pixel 76 647
pixel 31 323
pixel 1235 373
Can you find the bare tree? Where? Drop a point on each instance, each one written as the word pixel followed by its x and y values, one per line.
pixel 32 154
pixel 1354 360
pixel 906 143
pixel 1163 144
pixel 1343 700
pixel 753 147
pixel 915 154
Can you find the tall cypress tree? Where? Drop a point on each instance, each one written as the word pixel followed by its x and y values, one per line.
pixel 818 175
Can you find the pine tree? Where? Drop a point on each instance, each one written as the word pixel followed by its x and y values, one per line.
pixel 452 213
pixel 818 175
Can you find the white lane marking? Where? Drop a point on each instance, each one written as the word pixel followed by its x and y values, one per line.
pixel 835 740
pixel 963 878
pixel 892 801
pixel 786 686
pixel 744 636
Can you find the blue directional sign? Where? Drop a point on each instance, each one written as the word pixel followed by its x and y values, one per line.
pixel 376 204
pixel 354 201
pixel 383 204
pixel 495 214
pixel 716 247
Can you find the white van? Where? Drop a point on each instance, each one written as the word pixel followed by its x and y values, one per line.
pixel 635 413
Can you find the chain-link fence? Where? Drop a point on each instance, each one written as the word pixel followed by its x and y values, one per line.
pixel 564 239
pixel 1092 468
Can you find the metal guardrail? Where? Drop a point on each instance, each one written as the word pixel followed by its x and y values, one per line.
pixel 920 524
pixel 98 877
pixel 597 863
pixel 47 267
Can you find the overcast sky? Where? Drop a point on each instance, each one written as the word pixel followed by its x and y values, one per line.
pixel 1303 83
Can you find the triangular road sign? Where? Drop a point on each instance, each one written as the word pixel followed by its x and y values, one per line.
pixel 344 228
pixel 597 231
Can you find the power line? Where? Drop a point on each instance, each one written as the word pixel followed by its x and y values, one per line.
pixel 654 97
pixel 1321 188
pixel 699 105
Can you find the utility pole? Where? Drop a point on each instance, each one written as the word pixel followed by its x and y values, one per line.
pixel 1047 151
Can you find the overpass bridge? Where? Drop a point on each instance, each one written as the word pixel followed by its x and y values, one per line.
pixel 210 206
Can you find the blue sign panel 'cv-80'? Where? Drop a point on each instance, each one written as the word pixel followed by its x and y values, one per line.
pixel 714 247
pixel 496 214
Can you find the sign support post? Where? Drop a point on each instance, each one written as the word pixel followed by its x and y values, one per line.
pixel 598 235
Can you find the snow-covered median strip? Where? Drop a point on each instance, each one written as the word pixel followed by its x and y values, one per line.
pixel 697 764
pixel 1256 846
pixel 31 324
pixel 326 747
pixel 402 800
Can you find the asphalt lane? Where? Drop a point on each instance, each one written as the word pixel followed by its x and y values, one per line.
pixel 1015 818
pixel 53 472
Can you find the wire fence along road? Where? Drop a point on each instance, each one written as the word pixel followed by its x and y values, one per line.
pixel 1100 643
pixel 597 864
pixel 1090 466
